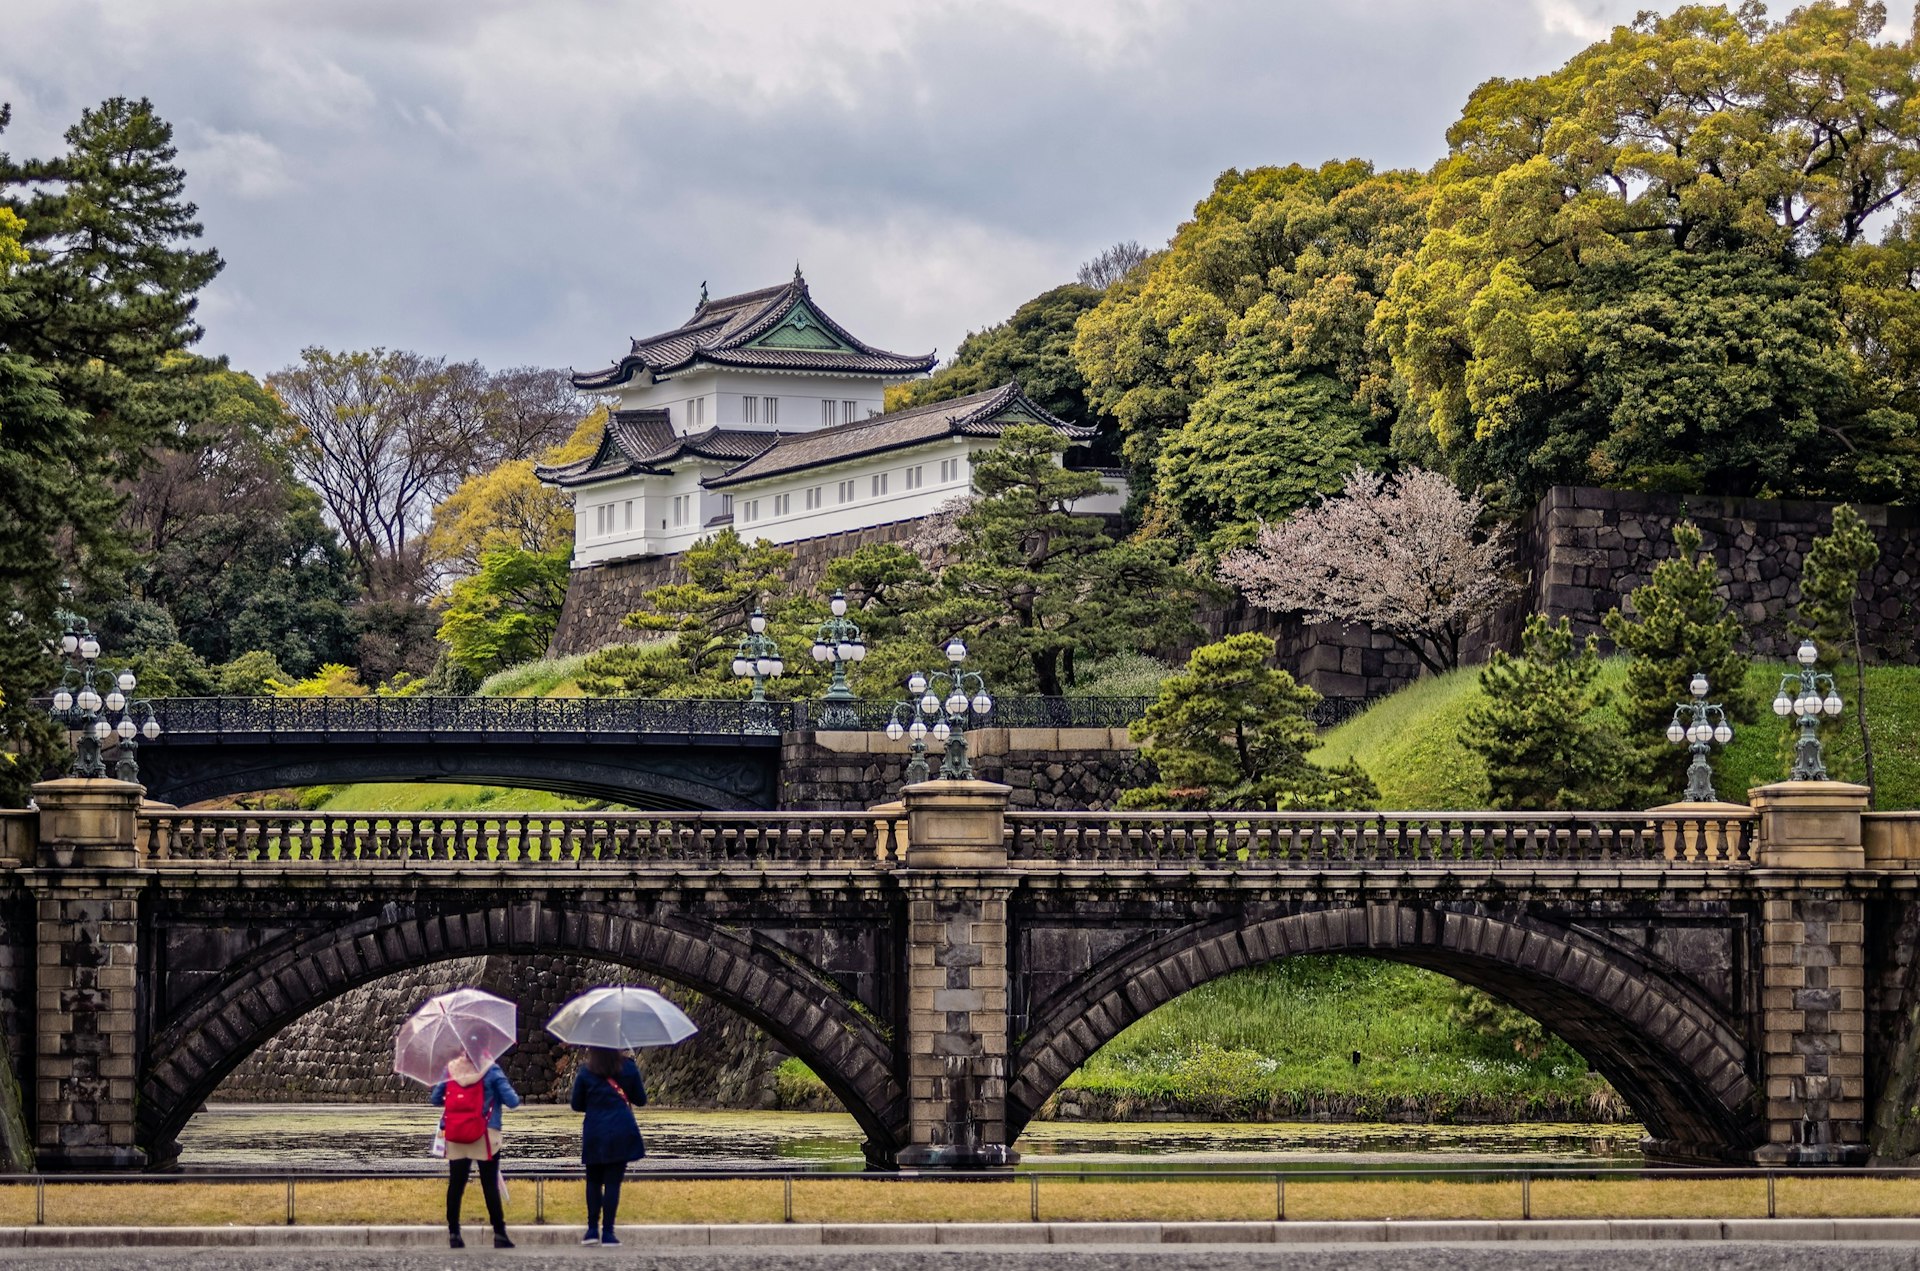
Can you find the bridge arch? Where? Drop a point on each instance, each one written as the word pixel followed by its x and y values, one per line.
pixel 1677 1060
pixel 691 777
pixel 749 974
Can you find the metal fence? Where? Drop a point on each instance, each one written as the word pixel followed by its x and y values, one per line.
pixel 596 716
pixel 1308 840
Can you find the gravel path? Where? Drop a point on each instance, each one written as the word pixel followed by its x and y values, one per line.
pixel 1532 1257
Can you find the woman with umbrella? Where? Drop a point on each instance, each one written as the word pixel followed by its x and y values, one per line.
pixel 607 1086
pixel 456 1037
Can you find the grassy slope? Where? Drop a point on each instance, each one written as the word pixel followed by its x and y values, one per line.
pixel 1408 742
pixel 1279 1041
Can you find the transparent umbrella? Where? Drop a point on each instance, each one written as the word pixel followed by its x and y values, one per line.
pixel 620 1018
pixel 465 1022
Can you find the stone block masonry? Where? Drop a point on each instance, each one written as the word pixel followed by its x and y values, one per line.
pixel 1580 552
pixel 1045 769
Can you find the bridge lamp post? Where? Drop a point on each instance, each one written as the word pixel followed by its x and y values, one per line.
pixel 950 714
pixel 1801 696
pixel 838 642
pixel 1700 725
pixel 79 705
pixel 758 656
pixel 916 729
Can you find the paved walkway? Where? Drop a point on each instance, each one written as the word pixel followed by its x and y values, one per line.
pixel 795 1237
pixel 1533 1256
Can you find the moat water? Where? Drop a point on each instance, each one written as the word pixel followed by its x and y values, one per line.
pixel 397 1136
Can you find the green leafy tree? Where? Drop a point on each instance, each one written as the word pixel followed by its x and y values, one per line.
pixel 1681 625
pixel 1295 258
pixel 1034 346
pixel 97 292
pixel 1034 587
pixel 172 670
pixel 1264 440
pixel 1540 730
pixel 248 675
pixel 1830 578
pixel 506 612
pixel 1231 731
pixel 331 680
pixel 1629 272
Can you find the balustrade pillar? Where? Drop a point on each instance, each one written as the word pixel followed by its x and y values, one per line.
pixel 86 885
pixel 1813 974
pixel 956 885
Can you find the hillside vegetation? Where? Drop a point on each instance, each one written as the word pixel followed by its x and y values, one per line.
pixel 1409 742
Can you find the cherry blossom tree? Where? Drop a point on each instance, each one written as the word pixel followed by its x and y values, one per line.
pixel 1403 555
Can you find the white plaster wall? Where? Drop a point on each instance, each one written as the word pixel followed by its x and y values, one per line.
pixel 799 397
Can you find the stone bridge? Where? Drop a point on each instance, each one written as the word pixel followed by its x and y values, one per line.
pixel 644 753
pixel 1742 975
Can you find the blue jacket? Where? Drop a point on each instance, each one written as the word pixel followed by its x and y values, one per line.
pixel 499 1094
pixel 608 1134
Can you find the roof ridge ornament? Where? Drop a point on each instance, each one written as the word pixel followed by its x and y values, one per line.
pixel 796 274
pixel 703 293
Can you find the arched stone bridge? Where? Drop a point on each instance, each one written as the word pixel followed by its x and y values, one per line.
pixel 1743 978
pixel 644 753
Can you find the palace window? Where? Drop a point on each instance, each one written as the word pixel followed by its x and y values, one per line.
pixel 629 515
pixel 826 414
pixel 770 407
pixel 847 410
pixel 949 471
pixel 750 510
pixel 748 409
pixel 913 477
pixel 879 484
pixel 846 491
pixel 682 509
pixel 726 506
pixel 813 497
pixel 783 505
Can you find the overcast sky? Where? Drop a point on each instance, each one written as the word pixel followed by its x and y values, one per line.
pixel 532 183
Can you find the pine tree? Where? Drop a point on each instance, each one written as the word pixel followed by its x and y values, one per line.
pixel 1539 729
pixel 97 287
pixel 1830 578
pixel 1232 732
pixel 1681 625
pixel 1035 586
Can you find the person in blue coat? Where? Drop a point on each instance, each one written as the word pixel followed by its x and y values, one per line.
pixel 498 1093
pixel 607 1088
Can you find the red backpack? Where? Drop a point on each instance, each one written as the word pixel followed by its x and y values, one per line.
pixel 466 1117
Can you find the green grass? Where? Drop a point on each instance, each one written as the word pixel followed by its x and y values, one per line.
pixel 1278 1042
pixel 544 677
pixel 1409 742
pixel 406 796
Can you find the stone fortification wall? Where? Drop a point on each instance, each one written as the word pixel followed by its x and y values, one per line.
pixel 343 1052
pixel 1580 552
pixel 1049 769
pixel 1585 549
pixel 599 596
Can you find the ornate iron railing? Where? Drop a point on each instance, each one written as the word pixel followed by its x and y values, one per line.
pixel 1309 840
pixel 589 716
pixel 754 839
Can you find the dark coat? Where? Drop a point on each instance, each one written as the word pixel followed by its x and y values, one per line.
pixel 608 1133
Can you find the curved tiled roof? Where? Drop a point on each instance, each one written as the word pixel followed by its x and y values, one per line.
pixel 984 414
pixel 643 441
pixel 721 332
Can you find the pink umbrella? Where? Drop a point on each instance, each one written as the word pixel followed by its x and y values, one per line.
pixel 465 1022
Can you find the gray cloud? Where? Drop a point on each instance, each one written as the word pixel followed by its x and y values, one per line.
pixel 534 183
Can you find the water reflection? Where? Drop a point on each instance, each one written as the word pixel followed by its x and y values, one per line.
pixel 389 1136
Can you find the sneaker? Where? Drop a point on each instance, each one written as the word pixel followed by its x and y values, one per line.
pixel 608 1238
pixel 500 1240
pixel 454 1241
pixel 590 1239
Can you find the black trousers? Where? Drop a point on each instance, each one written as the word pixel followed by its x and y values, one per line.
pixel 489 1187
pixel 603 1194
